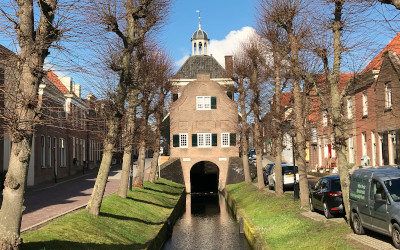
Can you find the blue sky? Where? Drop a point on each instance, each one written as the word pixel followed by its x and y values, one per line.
pixel 226 22
pixel 219 17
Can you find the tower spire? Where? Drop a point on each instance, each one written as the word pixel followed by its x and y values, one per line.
pixel 199 16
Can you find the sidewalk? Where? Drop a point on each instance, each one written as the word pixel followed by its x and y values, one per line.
pixel 47 203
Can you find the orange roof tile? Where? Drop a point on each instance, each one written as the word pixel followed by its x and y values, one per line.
pixel 56 81
pixel 376 63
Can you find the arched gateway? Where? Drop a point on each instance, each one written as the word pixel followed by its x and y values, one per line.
pixel 203 118
pixel 204 177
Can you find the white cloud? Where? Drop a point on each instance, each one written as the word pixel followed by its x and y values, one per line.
pixel 230 44
pixel 227 46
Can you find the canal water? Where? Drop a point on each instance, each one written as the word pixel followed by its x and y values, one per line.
pixel 206 224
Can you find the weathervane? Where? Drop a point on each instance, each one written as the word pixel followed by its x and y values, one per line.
pixel 198 12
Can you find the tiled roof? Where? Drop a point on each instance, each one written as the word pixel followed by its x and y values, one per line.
pixel 393 46
pixel 200 64
pixel 5 52
pixel 286 99
pixel 56 81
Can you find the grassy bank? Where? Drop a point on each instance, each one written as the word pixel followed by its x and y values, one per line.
pixel 124 223
pixel 280 223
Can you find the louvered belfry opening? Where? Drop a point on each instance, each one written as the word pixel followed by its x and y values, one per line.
pixel 204 177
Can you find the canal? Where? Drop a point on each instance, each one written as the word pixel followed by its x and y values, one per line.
pixel 206 223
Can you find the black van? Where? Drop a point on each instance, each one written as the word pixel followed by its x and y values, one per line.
pixel 375 201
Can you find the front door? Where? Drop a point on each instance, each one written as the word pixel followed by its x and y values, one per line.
pixel 379 209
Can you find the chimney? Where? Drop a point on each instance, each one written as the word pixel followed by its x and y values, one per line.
pixel 67 82
pixel 229 66
pixel 77 90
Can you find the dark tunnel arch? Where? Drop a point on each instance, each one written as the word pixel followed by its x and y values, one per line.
pixel 204 177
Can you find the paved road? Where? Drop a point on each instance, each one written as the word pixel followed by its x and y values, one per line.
pixel 53 201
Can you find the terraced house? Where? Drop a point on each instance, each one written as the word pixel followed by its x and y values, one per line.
pixel 64 143
pixel 203 117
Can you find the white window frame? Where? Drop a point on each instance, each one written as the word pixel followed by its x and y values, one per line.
pixel 62 153
pixel 183 140
pixel 43 151
pixel 324 118
pixel 225 140
pixel 202 139
pixel 349 108
pixel 388 95
pixel 365 103
pixel 203 102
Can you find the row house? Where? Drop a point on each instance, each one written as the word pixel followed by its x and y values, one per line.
pixel 68 139
pixel 371 110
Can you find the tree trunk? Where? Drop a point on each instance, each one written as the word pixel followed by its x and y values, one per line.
pixel 278 122
pixel 300 144
pixel 257 140
pixel 125 172
pixel 13 195
pixel 138 181
pixel 338 121
pixel 154 164
pixel 96 198
pixel 244 131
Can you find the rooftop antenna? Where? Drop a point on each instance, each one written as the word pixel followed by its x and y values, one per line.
pixel 198 12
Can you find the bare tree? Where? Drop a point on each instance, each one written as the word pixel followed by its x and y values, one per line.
pixel 241 66
pixel 284 14
pixel 277 42
pixel 254 52
pixel 140 17
pixel 34 40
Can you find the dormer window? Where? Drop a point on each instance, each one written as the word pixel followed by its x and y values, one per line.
pixel 206 102
pixel 365 103
pixel 388 95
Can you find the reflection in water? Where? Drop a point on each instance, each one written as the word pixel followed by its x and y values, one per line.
pixel 206 224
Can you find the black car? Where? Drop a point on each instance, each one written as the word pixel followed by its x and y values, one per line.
pixel 326 196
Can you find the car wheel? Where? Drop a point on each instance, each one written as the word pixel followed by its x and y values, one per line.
pixel 356 224
pixel 312 209
pixel 327 213
pixel 396 235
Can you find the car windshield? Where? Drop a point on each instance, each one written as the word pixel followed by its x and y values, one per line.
pixel 288 170
pixel 393 186
pixel 335 185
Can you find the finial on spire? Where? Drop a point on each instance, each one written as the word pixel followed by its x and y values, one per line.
pixel 198 12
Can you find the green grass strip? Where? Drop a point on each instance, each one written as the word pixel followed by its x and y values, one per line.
pixel 280 223
pixel 123 224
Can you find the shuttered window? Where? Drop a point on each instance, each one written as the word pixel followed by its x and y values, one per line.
pixel 175 141
pixel 183 140
pixel 194 140
pixel 204 140
pixel 232 139
pixel 225 140
pixel 206 102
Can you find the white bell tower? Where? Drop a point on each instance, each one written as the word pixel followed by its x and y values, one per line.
pixel 200 41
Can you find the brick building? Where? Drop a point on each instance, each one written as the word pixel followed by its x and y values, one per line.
pixel 203 118
pixel 64 143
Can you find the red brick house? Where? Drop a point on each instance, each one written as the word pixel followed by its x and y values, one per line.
pixel 65 142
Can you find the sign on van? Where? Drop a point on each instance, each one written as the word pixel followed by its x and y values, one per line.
pixel 359 192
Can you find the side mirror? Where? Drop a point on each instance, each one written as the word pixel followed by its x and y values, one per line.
pixel 378 198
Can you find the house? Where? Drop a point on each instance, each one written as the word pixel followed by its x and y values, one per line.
pixel 64 142
pixel 203 118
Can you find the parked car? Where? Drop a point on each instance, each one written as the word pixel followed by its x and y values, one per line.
pixel 267 171
pixel 326 196
pixel 375 201
pixel 252 155
pixel 288 176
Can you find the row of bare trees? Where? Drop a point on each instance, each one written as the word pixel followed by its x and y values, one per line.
pixel 142 71
pixel 296 49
